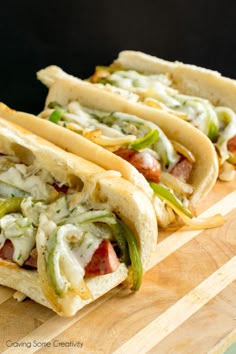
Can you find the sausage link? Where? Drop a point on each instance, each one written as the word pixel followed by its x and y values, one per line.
pixel 182 169
pixel 144 162
pixel 232 145
pixel 7 251
pixel 104 260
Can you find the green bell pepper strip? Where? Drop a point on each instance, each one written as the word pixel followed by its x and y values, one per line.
pixel 90 216
pixel 213 123
pixel 212 130
pixel 97 216
pixel 11 205
pixel 70 277
pixel 165 194
pixel 136 264
pixel 146 141
pixel 56 116
pixel 56 280
pixel 120 238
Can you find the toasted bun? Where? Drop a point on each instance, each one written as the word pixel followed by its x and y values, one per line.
pixel 104 189
pixel 188 79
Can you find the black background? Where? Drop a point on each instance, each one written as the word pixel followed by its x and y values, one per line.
pixel 78 35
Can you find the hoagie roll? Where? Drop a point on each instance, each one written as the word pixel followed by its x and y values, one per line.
pixel 199 96
pixel 69 230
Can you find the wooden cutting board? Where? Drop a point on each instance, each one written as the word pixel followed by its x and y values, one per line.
pixel 187 303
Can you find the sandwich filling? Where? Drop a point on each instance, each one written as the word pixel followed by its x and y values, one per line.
pixel 80 241
pixel 158 90
pixel 166 165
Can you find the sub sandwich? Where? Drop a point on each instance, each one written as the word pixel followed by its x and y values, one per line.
pixel 199 96
pixel 69 230
pixel 174 164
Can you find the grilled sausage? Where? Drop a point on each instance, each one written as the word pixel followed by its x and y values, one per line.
pixel 144 162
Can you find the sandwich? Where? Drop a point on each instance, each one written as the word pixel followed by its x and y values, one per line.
pixel 70 231
pixel 199 96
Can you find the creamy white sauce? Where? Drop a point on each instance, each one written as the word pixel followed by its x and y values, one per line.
pixel 22 177
pixel 76 243
pixel 20 231
pixel 198 111
pixel 114 125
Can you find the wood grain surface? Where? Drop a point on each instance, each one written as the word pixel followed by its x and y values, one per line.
pixel 187 302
